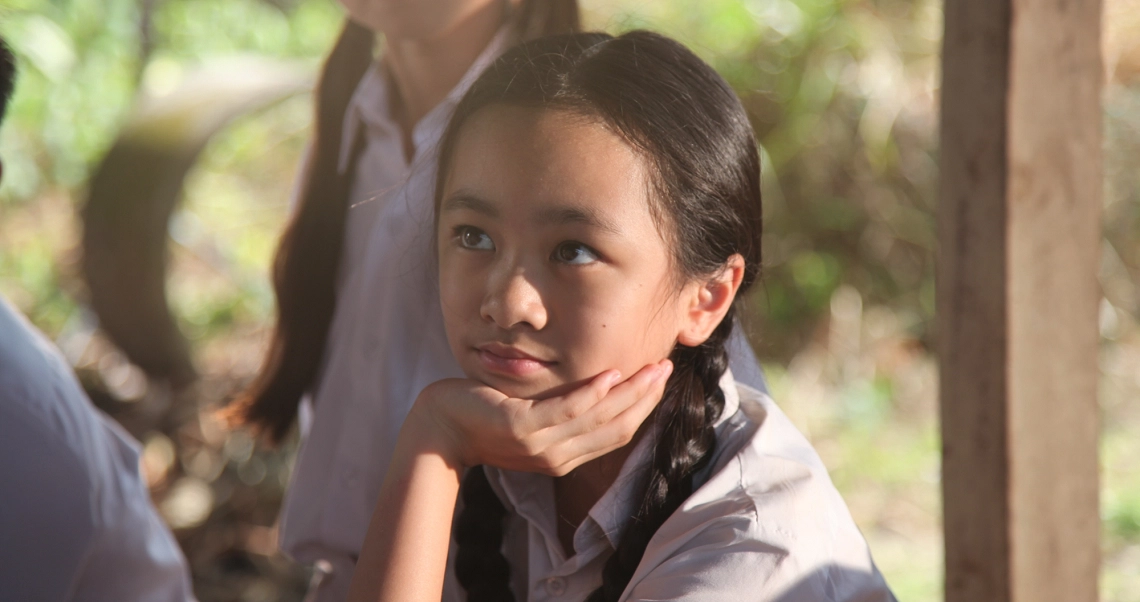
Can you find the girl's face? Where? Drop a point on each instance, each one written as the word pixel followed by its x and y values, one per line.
pixel 552 268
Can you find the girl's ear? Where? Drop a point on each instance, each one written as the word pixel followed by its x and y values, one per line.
pixel 709 300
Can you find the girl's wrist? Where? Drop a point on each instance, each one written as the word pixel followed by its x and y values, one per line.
pixel 424 433
pixel 405 549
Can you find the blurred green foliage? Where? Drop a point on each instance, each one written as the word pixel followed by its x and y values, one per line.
pixel 82 62
pixel 842 96
pixel 82 66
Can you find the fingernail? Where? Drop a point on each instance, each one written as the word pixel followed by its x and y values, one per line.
pixel 613 378
pixel 662 371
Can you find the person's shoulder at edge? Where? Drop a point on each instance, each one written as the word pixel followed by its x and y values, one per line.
pixel 35 377
pixel 76 522
pixel 764 523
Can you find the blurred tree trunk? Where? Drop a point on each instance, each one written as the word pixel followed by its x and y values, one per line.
pixel 136 189
pixel 133 194
pixel 1020 233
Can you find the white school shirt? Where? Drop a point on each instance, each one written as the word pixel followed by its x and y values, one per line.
pixel 764 524
pixel 76 520
pixel 386 341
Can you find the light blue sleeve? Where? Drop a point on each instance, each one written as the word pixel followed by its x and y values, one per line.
pixel 133 555
pixel 76 520
pixel 46 524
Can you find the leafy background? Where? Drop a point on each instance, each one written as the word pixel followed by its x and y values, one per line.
pixel 844 97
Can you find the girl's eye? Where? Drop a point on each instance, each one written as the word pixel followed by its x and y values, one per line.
pixel 575 253
pixel 470 237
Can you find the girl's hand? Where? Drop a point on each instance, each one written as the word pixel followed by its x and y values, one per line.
pixel 459 423
pixel 475 424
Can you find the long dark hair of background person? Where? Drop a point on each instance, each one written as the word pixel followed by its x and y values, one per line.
pixel 692 130
pixel 306 264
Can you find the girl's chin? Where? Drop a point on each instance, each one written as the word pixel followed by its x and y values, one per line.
pixel 521 389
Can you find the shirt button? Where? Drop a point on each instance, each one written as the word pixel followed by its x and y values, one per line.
pixel 556 586
pixel 350 477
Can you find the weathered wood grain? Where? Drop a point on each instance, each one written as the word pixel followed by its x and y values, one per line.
pixel 1019 224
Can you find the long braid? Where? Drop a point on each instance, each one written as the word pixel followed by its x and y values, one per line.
pixel 480 566
pixel 692 403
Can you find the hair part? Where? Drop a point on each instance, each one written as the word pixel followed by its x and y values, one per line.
pixel 695 136
pixel 309 254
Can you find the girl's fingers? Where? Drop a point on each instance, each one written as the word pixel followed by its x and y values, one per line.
pixel 647 382
pixel 588 422
pixel 611 424
pixel 615 433
pixel 567 408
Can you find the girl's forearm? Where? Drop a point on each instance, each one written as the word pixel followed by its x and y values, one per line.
pixel 404 557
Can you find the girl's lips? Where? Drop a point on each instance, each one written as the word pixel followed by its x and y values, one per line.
pixel 509 361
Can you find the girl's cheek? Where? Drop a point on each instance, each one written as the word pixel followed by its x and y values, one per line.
pixel 458 286
pixel 597 338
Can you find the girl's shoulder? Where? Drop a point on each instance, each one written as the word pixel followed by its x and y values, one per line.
pixel 764 520
pixel 755 434
pixel 765 462
pixel 754 430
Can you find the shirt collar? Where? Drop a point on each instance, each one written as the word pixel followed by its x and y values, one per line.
pixel 369 107
pixel 609 514
pixel 615 507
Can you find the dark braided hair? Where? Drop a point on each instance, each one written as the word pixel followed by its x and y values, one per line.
pixel 479 563
pixel 693 132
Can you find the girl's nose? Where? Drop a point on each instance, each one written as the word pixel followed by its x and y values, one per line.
pixel 513 300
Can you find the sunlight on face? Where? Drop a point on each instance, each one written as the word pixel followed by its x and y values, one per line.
pixel 552 269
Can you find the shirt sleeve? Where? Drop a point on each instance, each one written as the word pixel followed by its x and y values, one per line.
pixel 725 561
pixel 80 528
pixel 76 520
pixel 768 527
pixel 133 555
pixel 46 525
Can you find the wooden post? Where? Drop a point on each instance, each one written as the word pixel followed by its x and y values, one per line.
pixel 1019 230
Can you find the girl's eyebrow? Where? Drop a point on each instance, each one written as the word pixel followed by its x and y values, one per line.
pixel 559 215
pixel 577 215
pixel 465 199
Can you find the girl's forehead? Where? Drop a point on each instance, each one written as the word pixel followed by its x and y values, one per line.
pixel 534 156
pixel 550 127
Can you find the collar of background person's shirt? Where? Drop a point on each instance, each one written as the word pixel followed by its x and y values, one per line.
pixel 370 107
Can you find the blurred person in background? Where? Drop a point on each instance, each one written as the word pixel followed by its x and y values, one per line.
pixel 359 329
pixel 76 519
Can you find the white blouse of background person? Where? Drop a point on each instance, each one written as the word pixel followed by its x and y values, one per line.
pixel 386 341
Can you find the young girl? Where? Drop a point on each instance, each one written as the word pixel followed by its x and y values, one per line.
pixel 359 329
pixel 597 218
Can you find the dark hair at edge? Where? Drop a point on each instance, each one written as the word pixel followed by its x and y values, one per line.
pixel 7 77
pixel 692 130
pixel 308 256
